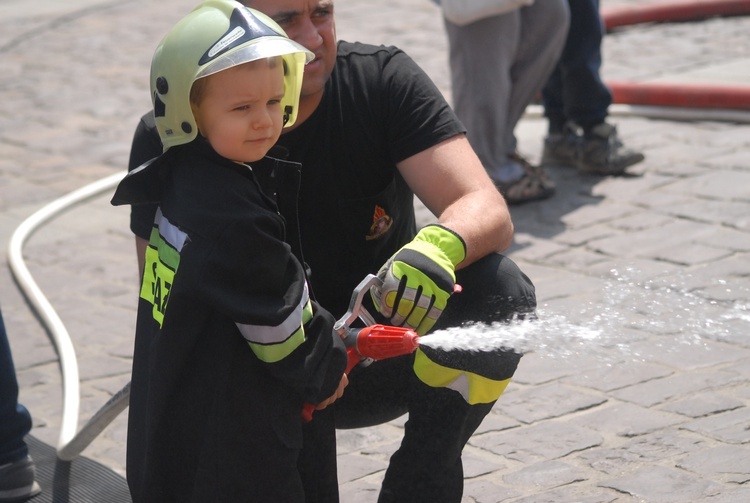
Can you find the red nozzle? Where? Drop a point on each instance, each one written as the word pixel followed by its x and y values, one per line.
pixel 383 341
pixel 376 342
pixel 307 412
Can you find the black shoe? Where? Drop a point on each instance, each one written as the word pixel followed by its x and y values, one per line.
pixel 17 481
pixel 598 152
pixel 603 153
pixel 563 148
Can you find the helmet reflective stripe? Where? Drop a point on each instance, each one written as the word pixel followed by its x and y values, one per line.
pixel 216 35
pixel 243 27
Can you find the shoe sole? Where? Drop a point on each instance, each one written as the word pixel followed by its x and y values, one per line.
pixel 20 494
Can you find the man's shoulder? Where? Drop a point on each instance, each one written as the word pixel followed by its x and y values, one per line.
pixel 346 48
pixel 358 51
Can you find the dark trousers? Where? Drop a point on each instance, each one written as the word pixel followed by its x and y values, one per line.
pixel 427 466
pixel 575 91
pixel 15 421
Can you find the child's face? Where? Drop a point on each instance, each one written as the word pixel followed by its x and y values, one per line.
pixel 240 110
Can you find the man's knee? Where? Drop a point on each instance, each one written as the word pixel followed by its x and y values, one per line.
pixel 493 289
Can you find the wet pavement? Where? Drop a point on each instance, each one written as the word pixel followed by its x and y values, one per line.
pixel 637 385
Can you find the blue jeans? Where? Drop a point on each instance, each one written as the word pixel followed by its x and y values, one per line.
pixel 15 420
pixel 575 91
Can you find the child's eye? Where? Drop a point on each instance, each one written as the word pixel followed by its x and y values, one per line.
pixel 242 108
pixel 274 102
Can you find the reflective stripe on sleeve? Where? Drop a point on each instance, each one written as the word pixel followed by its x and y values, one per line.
pixel 274 343
pixel 474 388
pixel 161 263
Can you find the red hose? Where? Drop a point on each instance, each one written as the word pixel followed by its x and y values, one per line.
pixel 661 12
pixel 681 95
pixel 717 96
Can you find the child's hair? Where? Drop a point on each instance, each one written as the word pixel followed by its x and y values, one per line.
pixel 199 86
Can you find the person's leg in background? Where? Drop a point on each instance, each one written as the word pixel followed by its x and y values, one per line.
pixel 576 102
pixel 17 471
pixel 498 64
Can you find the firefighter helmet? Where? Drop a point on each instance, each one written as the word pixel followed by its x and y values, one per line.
pixel 216 35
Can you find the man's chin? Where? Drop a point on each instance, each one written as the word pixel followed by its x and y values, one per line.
pixel 312 87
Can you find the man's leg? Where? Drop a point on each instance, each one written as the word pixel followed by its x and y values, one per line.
pixel 498 64
pixel 427 466
pixel 585 97
pixel 493 289
pixel 577 101
pixel 17 471
pixel 481 57
pixel 15 421
pixel 544 28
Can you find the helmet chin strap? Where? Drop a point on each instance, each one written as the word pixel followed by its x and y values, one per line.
pixel 287 113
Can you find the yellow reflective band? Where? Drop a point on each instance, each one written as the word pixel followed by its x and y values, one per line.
pixel 149 274
pixel 162 261
pixel 473 387
pixel 274 352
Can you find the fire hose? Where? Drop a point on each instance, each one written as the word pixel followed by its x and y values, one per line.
pixel 659 101
pixel 672 94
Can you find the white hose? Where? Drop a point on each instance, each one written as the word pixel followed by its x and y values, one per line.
pixel 55 327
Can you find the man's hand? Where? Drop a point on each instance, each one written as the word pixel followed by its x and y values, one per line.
pixel 419 279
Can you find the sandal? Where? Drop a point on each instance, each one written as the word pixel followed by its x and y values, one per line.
pixel 532 186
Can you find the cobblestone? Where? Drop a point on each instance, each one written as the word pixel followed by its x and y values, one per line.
pixel 653 406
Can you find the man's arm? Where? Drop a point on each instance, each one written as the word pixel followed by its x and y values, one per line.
pixel 473 221
pixel 451 181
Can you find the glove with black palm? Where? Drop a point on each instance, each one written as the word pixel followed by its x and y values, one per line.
pixel 419 278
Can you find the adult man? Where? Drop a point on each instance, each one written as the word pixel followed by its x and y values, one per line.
pixel 373 131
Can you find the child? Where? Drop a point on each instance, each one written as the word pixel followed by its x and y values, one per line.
pixel 228 343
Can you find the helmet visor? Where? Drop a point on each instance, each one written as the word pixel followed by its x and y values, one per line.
pixel 262 48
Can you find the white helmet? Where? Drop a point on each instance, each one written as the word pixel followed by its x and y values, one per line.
pixel 216 35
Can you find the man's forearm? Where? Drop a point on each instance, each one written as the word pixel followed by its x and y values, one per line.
pixel 482 219
pixel 451 181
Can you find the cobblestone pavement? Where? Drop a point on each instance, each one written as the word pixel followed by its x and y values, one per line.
pixel 637 388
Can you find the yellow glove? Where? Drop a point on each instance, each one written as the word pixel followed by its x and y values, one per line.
pixel 419 278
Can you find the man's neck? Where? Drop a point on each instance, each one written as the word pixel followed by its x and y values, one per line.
pixel 307 106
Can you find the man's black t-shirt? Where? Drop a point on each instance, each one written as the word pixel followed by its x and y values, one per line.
pixel 355 209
